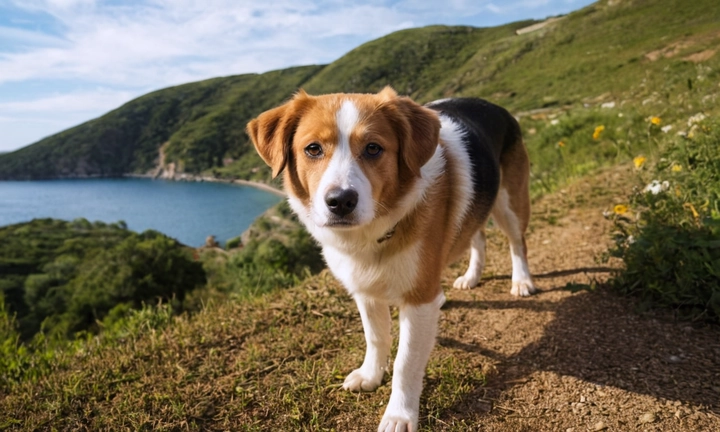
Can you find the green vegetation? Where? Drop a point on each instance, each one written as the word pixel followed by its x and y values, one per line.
pixel 275 252
pixel 669 236
pixel 67 277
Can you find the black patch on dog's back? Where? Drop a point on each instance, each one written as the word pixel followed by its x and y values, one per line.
pixel 489 132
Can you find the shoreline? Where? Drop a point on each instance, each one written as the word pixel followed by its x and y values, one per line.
pixel 261 186
pixel 192 178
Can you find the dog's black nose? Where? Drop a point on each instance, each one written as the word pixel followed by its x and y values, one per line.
pixel 342 202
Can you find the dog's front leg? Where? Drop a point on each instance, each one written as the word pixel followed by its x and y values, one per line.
pixel 376 323
pixel 418 330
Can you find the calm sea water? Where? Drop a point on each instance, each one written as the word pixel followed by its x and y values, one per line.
pixel 187 211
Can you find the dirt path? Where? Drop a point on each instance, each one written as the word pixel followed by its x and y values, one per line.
pixel 583 361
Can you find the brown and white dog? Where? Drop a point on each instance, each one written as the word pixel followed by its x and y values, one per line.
pixel 394 191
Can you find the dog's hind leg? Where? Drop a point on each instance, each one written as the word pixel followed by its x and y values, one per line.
pixel 477 262
pixel 512 216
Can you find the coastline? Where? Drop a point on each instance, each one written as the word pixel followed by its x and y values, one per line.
pixel 262 186
pixel 194 178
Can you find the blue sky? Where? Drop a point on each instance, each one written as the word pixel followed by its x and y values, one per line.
pixel 63 62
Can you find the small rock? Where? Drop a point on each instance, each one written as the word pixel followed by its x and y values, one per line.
pixel 582 399
pixel 674 359
pixel 647 418
pixel 570 430
pixel 600 426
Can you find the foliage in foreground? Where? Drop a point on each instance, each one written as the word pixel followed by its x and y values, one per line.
pixel 669 234
pixel 66 277
pixel 275 252
pixel 274 362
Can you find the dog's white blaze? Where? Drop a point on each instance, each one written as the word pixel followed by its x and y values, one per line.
pixel 344 172
pixel 452 136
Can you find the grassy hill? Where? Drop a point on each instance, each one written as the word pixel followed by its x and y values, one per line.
pixel 601 52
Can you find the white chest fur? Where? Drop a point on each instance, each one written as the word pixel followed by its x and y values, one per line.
pixel 373 274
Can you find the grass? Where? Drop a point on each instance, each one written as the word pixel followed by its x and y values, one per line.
pixel 277 361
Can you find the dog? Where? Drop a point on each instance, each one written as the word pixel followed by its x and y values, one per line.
pixel 394 191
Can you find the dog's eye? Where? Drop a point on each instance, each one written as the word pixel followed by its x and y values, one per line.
pixel 314 150
pixel 373 149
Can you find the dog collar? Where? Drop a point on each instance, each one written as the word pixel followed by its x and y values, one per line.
pixel 387 235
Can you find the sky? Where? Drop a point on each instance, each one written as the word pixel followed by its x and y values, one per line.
pixel 63 62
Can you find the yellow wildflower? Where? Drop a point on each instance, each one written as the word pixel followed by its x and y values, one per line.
pixel 620 209
pixel 561 144
pixel 676 168
pixel 598 131
pixel 655 120
pixel 639 161
pixel 692 209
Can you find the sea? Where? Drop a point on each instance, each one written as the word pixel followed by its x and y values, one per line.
pixel 186 211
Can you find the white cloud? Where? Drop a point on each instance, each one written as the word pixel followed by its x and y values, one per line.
pixel 87 101
pixel 18 38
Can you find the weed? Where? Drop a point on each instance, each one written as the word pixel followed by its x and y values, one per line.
pixel 669 239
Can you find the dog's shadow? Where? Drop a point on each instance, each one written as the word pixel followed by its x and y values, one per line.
pixel 598 338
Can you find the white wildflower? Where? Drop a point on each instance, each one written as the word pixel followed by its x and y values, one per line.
pixel 608 105
pixel 697 118
pixel 554 122
pixel 655 187
pixel 666 129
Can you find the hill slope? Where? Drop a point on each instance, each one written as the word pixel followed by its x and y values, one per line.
pixel 554 361
pixel 597 53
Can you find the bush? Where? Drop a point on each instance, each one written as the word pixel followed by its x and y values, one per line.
pixel 143 268
pixel 64 277
pixel 234 243
pixel 671 242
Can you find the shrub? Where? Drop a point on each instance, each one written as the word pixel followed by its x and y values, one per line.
pixel 234 243
pixel 671 242
pixel 64 277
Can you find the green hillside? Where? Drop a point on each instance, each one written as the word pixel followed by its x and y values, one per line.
pixel 199 123
pixel 601 52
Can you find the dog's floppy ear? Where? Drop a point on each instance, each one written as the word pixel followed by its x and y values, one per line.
pixel 417 129
pixel 272 131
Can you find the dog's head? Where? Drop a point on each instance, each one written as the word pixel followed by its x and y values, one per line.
pixel 347 158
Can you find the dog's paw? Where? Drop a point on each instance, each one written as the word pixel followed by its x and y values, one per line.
pixel 359 380
pixel 523 288
pixel 391 423
pixel 465 282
